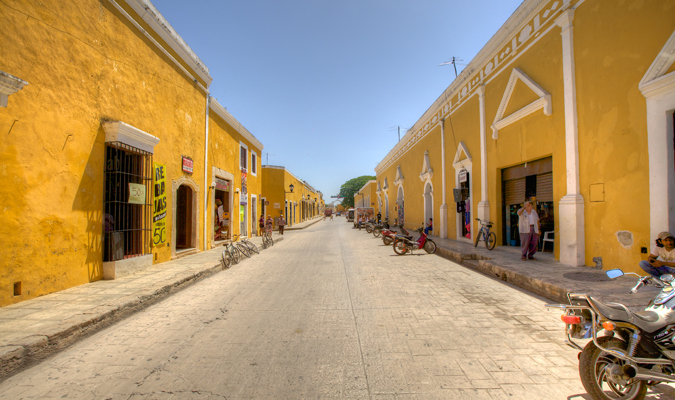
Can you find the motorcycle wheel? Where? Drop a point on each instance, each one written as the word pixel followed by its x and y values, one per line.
pixel 491 241
pixel 377 232
pixel 594 369
pixel 430 246
pixel 386 240
pixel 400 247
pixel 369 229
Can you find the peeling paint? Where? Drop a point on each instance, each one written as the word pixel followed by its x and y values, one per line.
pixel 625 239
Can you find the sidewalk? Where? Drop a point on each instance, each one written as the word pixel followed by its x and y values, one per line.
pixel 32 330
pixel 545 277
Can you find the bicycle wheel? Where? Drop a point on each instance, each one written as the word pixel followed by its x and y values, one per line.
pixel 430 246
pixel 252 247
pixel 271 241
pixel 243 250
pixel 400 247
pixel 234 254
pixel 227 261
pixel 480 233
pixel 491 241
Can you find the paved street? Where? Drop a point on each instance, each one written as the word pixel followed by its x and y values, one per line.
pixel 327 313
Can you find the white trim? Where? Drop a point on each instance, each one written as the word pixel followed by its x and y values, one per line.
pixel 233 122
pixel 188 181
pixel 544 101
pixel 483 212
pixel 444 206
pixel 427 173
pixel 9 84
pixel 118 131
pixel 457 162
pixel 147 11
pixel 659 91
pixel 254 163
pixel 399 176
pixel 429 211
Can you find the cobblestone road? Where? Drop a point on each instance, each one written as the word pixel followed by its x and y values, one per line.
pixel 328 313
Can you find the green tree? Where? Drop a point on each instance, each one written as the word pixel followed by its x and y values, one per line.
pixel 349 189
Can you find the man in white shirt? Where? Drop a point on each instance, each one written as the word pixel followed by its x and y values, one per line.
pixel 528 226
pixel 661 261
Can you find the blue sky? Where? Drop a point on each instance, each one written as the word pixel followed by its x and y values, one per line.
pixel 323 84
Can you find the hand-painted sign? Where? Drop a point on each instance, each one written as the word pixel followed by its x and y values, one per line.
pixel 136 193
pixel 159 213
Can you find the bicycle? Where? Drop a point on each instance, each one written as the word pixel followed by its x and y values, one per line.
pixel 252 247
pixel 484 233
pixel 267 238
pixel 241 248
pixel 230 254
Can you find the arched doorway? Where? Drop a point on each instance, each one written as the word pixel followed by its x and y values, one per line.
pixel 400 204
pixel 386 205
pixel 184 218
pixel 428 202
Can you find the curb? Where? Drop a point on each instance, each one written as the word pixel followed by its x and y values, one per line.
pixel 486 267
pixel 306 226
pixel 28 351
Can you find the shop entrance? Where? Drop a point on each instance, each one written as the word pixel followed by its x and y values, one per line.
pixel 401 208
pixel 428 203
pixel 464 206
pixel 221 217
pixel 254 219
pixel 184 218
pixel 531 181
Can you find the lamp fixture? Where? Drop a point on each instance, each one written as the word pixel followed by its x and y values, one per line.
pixel 291 187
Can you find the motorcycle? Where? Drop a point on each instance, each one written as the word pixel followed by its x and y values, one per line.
pixel 403 244
pixel 388 235
pixel 377 228
pixel 637 349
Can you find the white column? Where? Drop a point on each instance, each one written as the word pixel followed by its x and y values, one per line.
pixel 484 205
pixel 444 206
pixel 571 221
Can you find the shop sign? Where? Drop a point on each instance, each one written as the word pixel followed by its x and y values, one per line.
pixel 222 185
pixel 463 174
pixel 136 193
pixel 159 202
pixel 267 203
pixel 277 205
pixel 187 164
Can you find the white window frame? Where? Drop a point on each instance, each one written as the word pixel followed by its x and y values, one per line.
pixel 254 163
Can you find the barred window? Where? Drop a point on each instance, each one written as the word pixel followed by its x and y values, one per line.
pixel 127 209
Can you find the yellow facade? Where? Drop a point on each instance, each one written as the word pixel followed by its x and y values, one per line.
pixel 548 96
pixel 302 204
pixel 101 80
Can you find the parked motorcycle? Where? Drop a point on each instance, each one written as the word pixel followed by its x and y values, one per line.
pixel 388 235
pixel 637 349
pixel 402 244
pixel 378 227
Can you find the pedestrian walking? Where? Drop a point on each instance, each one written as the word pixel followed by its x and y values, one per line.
pixel 281 223
pixel 528 226
pixel 261 225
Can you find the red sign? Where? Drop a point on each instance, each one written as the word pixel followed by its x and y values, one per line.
pixel 187 165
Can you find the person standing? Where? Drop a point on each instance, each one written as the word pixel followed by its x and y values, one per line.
pixel 281 223
pixel 528 226
pixel 261 225
pixel 662 258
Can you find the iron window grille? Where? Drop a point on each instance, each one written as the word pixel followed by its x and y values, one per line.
pixel 126 227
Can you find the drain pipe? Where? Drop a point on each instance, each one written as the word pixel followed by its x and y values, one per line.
pixel 207 188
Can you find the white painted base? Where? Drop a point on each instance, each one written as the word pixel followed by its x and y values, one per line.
pixel 444 221
pixel 117 269
pixel 572 245
pixel 483 211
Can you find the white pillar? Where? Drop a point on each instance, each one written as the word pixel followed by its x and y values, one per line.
pixel 444 206
pixel 571 221
pixel 484 205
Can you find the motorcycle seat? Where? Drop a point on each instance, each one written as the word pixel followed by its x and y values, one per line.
pixel 404 236
pixel 648 321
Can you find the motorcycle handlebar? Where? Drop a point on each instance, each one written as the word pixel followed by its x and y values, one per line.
pixel 640 283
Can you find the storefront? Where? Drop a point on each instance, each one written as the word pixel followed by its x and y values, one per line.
pixel 531 181
pixel 221 217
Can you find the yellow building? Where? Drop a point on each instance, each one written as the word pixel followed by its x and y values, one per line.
pixel 111 150
pixel 569 104
pixel 285 194
pixel 367 196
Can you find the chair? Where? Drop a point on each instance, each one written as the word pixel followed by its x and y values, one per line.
pixel 547 238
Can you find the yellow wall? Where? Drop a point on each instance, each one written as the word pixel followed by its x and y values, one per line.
pixel 82 71
pixel 276 181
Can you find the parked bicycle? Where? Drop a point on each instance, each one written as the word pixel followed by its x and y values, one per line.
pixel 252 247
pixel 267 238
pixel 484 234
pixel 230 254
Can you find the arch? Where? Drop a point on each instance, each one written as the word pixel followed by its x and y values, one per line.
pixel 428 197
pixel 464 163
pixel 191 223
pixel 400 204
pixel 386 205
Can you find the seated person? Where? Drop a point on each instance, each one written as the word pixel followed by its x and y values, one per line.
pixel 430 227
pixel 661 261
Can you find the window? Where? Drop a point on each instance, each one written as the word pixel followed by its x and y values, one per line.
pixel 254 163
pixel 243 159
pixel 127 212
